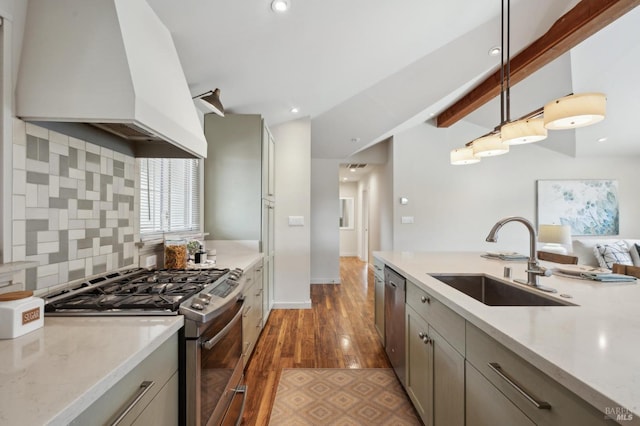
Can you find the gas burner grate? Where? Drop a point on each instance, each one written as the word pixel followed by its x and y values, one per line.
pixel 136 290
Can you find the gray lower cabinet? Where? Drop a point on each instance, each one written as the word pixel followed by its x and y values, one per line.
pixel 486 406
pixel 435 373
pixel 457 375
pixel 516 386
pixel 252 314
pixel 419 366
pixel 147 395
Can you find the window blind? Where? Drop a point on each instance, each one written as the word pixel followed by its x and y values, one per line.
pixel 169 195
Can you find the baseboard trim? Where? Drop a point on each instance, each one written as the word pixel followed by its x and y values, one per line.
pixel 292 305
pixel 325 280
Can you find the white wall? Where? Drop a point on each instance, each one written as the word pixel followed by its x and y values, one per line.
pixel 292 243
pixel 325 237
pixel 379 186
pixel 349 237
pixel 455 206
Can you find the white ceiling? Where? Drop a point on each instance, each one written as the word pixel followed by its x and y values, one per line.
pixel 364 69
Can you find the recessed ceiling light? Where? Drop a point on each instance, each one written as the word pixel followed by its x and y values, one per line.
pixel 345 178
pixel 280 5
pixel 602 140
pixel 294 110
pixel 494 51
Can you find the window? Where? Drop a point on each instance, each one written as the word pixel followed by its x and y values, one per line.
pixel 169 195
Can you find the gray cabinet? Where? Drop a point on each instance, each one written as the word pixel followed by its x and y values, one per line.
pixel 147 395
pixel 486 406
pixel 435 369
pixel 521 387
pixel 239 186
pixel 419 366
pixel 252 314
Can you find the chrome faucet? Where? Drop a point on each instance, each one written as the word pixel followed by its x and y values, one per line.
pixel 534 270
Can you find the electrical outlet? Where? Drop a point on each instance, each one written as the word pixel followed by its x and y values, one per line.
pixel 407 219
pixel 151 261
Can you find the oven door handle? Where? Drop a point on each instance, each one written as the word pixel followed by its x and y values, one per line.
pixel 215 339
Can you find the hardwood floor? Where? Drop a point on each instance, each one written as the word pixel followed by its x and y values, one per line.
pixel 338 332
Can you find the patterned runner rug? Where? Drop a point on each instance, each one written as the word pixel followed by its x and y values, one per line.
pixel 341 397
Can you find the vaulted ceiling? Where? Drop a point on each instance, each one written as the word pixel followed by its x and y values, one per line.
pixel 363 70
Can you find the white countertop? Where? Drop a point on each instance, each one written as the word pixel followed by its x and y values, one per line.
pixel 593 349
pixel 52 374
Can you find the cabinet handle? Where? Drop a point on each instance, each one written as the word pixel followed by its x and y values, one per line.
pixel 425 338
pixel 542 405
pixel 377 267
pixel 425 299
pixel 141 392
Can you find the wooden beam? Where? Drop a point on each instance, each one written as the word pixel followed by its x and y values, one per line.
pixel 584 20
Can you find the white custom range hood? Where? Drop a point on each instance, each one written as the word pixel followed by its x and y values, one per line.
pixel 111 64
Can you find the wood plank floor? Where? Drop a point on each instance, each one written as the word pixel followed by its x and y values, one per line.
pixel 338 332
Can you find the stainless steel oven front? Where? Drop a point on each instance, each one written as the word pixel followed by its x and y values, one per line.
pixel 214 369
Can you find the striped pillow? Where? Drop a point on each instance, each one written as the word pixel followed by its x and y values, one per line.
pixel 608 254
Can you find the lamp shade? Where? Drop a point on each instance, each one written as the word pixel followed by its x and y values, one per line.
pixel 555 234
pixel 487 146
pixel 463 156
pixel 574 111
pixel 523 131
pixel 210 101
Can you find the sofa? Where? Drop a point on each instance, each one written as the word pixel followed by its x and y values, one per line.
pixel 604 251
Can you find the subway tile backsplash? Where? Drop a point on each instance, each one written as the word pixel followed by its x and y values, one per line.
pixel 73 206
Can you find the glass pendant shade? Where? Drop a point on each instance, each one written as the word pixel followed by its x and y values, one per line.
pixel 489 146
pixel 578 110
pixel 523 131
pixel 462 156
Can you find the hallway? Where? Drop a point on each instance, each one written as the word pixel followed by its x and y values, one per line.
pixel 337 332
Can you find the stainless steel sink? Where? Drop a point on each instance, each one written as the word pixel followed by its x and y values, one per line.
pixel 493 292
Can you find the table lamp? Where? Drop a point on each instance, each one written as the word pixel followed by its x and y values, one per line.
pixel 555 237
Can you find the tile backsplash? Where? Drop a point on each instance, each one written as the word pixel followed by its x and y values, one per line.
pixel 73 206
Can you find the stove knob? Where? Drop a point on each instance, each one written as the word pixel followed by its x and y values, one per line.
pixel 197 306
pixel 206 298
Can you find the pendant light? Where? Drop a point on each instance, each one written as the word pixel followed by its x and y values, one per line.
pixel 489 146
pixel 575 111
pixel 524 130
pixel 463 156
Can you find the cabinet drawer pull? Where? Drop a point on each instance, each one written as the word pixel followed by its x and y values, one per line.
pixel 425 338
pixel 542 405
pixel 425 299
pixel 140 393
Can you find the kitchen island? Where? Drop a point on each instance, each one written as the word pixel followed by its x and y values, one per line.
pixel 51 375
pixel 591 348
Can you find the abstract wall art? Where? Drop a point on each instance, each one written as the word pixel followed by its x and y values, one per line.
pixel 589 206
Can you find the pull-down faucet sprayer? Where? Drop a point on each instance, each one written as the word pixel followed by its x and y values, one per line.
pixel 534 270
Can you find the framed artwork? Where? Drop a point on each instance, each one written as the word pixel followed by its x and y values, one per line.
pixel 589 206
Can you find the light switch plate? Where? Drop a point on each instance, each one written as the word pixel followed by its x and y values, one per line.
pixel 407 219
pixel 296 220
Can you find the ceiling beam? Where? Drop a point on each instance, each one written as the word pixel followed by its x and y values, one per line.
pixel 575 26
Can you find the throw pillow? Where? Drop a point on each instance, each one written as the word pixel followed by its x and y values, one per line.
pixel 608 254
pixel 635 254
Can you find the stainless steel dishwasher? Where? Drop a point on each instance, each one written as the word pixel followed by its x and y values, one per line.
pixel 394 322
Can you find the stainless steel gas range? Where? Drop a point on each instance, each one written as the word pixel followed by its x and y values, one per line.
pixel 211 301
